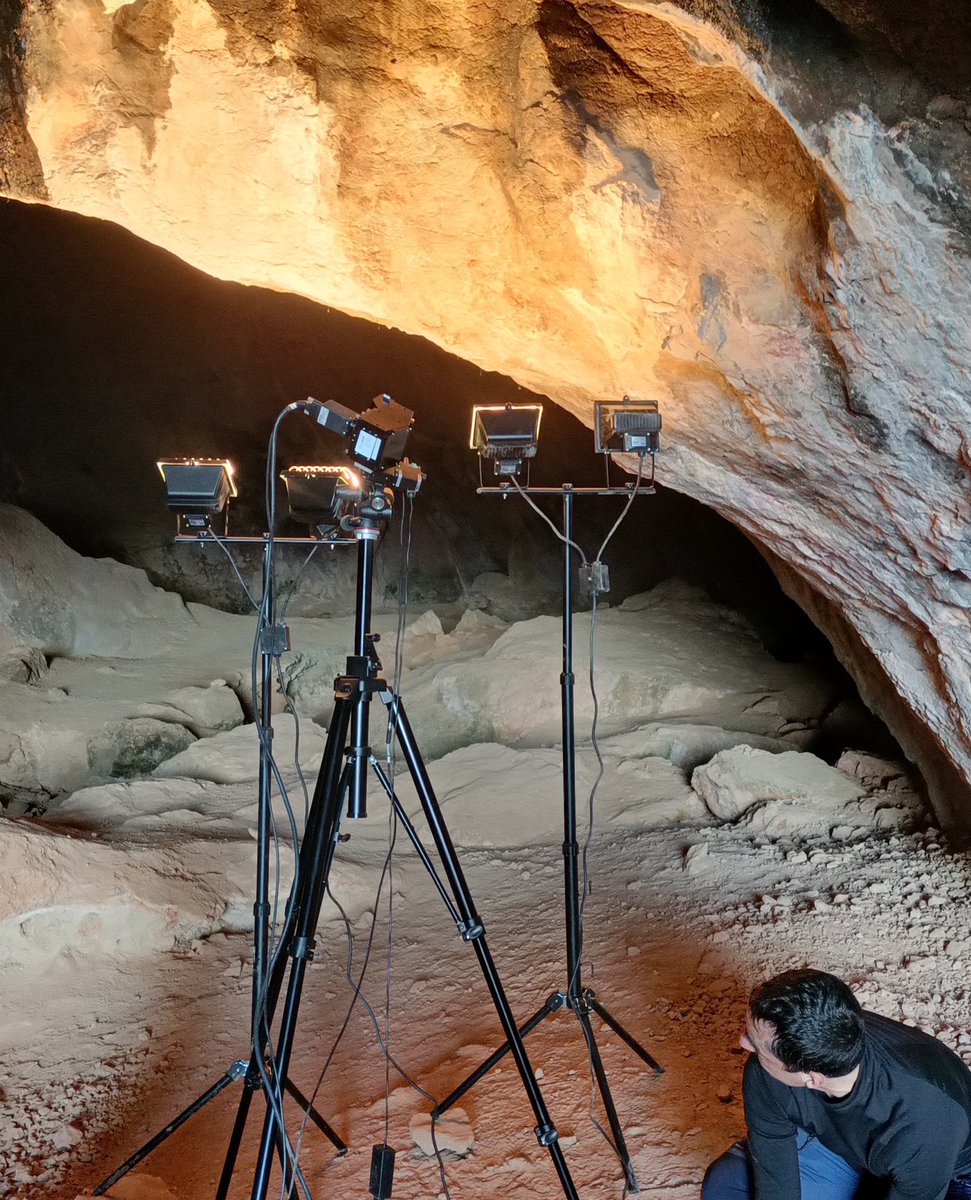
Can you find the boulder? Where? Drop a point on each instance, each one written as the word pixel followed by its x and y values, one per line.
pixel 495 796
pixel 790 792
pixel 234 756
pixel 202 710
pixel 688 745
pixel 671 655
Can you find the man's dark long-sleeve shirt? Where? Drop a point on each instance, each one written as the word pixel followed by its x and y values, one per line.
pixel 907 1119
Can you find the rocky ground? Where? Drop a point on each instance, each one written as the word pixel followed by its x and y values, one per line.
pixel 722 850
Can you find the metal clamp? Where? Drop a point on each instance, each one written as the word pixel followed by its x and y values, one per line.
pixel 471 931
pixel 303 947
pixel 546 1135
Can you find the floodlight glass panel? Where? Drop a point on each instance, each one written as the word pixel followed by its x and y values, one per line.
pixel 320 495
pixel 505 430
pixel 197 486
pixel 626 426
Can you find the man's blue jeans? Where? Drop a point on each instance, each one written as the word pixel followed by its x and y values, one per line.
pixel 823 1175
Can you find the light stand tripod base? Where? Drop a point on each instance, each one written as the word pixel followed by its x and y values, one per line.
pixel 237 1070
pixel 553 1003
pixel 621 1032
pixel 581 1000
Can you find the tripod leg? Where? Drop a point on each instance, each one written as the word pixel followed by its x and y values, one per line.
pixel 315 1117
pixel 621 1032
pixel 555 1002
pixel 316 856
pixel 472 931
pixel 620 1145
pixel 235 1072
pixel 235 1141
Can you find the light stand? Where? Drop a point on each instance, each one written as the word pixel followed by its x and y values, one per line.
pixel 582 1001
pixel 261 1011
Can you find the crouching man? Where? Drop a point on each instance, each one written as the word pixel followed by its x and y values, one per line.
pixel 842 1104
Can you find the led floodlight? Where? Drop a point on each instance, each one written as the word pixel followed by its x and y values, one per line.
pixel 506 433
pixel 626 426
pixel 321 496
pixel 198 489
pixel 377 437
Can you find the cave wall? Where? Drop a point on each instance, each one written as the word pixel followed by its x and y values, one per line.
pixel 757 213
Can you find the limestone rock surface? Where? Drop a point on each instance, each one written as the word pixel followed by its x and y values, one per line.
pixel 669 655
pixel 202 710
pixel 53 599
pixel 233 756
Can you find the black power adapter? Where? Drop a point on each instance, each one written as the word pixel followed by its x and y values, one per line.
pixel 382 1172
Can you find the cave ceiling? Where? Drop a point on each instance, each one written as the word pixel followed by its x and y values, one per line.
pixel 755 212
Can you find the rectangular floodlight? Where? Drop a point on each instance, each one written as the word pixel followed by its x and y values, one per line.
pixel 506 433
pixel 627 426
pixel 321 496
pixel 197 489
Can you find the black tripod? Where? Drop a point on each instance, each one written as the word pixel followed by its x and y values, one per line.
pixel 582 1001
pixel 261 1012
pixel 352 694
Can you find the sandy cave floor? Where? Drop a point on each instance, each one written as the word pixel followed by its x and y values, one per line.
pixel 679 925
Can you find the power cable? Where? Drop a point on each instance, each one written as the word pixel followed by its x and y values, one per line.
pixel 562 537
pixel 232 562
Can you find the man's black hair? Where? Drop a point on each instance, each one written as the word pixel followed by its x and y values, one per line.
pixel 818 1021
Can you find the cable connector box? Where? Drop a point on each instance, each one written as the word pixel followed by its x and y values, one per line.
pixel 596 576
pixel 275 640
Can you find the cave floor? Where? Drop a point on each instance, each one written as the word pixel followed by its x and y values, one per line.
pixel 679 924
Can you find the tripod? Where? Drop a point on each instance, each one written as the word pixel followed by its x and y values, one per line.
pixel 580 1000
pixel 260 1014
pixel 352 694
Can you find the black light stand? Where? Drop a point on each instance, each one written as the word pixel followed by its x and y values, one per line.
pixel 261 1007
pixel 352 694
pixel 582 1001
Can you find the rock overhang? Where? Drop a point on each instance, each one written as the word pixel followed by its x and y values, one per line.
pixel 757 217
